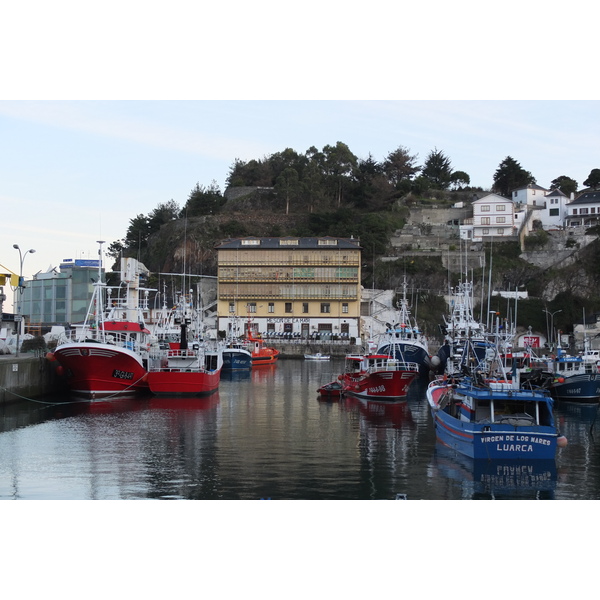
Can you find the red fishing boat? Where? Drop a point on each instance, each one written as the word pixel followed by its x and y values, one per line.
pixel 377 376
pixel 184 370
pixel 108 356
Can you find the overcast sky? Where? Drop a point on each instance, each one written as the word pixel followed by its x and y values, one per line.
pixel 103 118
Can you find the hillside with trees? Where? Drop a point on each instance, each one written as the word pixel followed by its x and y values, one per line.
pixel 333 192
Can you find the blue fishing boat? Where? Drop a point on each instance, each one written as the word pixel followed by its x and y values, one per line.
pixel 493 420
pixel 487 414
pixel 576 378
pixel 236 357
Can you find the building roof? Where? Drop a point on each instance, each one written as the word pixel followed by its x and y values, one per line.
pixel 289 243
pixel 556 192
pixel 492 198
pixel 588 198
pixel 530 186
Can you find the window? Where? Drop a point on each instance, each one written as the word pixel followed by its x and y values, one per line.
pixel 500 231
pixel 305 307
pixel 485 232
pixel 344 307
pixel 232 307
pixel 583 211
pixel 288 307
pixel 500 219
pixel 501 207
pixel 271 307
pixel 327 242
pixel 325 307
pixel 574 211
pixel 251 307
pixel 288 242
pixel 485 208
pixel 485 220
pixel 554 212
pixel 250 242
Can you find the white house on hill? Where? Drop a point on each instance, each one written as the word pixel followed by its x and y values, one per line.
pixel 493 215
pixel 531 195
pixel 555 211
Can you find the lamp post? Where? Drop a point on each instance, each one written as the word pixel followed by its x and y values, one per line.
pixel 551 333
pixel 20 289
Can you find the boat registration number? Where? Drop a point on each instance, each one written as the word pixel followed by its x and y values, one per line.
pixel 122 374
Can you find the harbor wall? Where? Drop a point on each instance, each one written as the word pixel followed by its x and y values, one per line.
pixel 299 349
pixel 27 376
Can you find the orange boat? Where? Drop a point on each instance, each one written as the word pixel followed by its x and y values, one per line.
pixel 261 354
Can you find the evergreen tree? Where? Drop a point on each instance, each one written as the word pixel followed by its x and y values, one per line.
pixel 510 176
pixel 203 201
pixel 593 179
pixel 400 167
pixel 565 184
pixel 437 170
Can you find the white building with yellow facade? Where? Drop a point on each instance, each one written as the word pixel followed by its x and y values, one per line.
pixel 290 287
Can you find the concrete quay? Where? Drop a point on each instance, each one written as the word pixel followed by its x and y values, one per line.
pixel 28 375
pixel 297 349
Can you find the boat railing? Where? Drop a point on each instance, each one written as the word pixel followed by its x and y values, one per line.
pixel 392 364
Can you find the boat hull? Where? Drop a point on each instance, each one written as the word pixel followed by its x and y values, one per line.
pixel 331 390
pixel 265 358
pixel 583 388
pixel 383 385
pixel 97 370
pixel 236 360
pixel 490 440
pixel 180 382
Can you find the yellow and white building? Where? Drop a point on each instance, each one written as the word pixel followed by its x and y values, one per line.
pixel 293 287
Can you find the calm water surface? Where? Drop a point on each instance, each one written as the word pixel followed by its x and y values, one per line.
pixel 268 435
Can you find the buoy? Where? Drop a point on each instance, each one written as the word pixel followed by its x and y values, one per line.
pixel 50 356
pixel 561 380
pixel 60 370
pixel 561 441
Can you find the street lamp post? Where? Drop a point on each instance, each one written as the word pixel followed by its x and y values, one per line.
pixel 551 333
pixel 20 289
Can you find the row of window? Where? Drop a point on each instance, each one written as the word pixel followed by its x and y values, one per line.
pixel 289 308
pixel 498 207
pixel 486 220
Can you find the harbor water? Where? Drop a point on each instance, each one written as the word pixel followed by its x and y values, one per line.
pixel 268 435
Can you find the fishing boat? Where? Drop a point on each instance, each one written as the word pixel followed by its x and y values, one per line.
pixel 486 414
pixel 404 340
pixel 377 376
pixel 236 357
pixel 109 353
pixel 317 356
pixel 576 378
pixel 185 371
pixel 459 328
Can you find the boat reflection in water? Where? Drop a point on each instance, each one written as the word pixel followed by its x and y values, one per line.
pixel 496 479
pixel 382 413
pixel 185 403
